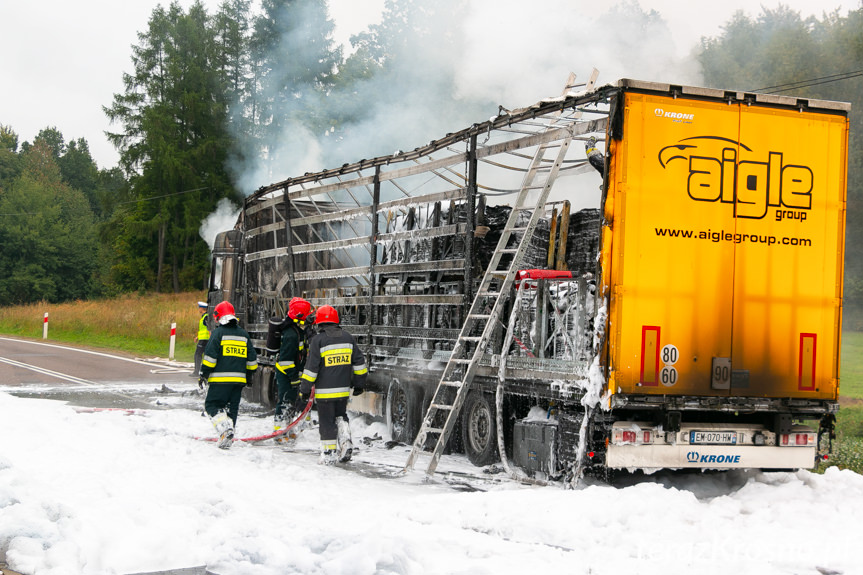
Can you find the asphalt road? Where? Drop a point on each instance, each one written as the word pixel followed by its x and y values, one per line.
pixel 86 377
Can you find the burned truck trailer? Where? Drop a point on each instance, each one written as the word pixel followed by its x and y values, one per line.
pixel 676 304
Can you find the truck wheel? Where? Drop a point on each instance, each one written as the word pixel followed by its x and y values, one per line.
pixel 262 388
pixel 479 431
pixel 402 413
pixel 269 389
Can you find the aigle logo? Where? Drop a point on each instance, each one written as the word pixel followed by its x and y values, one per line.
pixel 717 173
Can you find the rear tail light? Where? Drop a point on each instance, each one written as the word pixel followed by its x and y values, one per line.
pixel 797 439
pixel 633 436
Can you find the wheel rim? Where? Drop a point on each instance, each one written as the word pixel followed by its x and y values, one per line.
pixel 479 427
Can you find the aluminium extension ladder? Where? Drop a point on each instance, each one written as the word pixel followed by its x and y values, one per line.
pixel 494 289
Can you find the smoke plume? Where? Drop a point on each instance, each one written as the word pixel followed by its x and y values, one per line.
pixel 462 60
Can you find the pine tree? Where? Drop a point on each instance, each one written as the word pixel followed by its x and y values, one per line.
pixel 173 146
pixel 9 162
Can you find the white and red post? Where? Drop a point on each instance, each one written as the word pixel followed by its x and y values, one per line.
pixel 45 326
pixel 173 341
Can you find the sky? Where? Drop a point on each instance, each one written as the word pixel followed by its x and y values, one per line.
pixel 63 61
pixel 129 492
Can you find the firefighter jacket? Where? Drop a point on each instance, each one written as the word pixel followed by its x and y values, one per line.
pixel 203 330
pixel 292 352
pixel 333 357
pixel 229 356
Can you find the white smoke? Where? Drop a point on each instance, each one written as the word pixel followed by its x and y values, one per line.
pixel 222 219
pixel 464 60
pixel 517 62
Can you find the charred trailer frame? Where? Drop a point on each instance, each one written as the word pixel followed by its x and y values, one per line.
pixel 398 244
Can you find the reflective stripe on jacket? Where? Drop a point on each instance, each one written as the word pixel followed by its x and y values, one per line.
pixel 229 356
pixel 334 358
pixel 292 352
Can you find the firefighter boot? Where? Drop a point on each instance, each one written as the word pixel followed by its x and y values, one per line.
pixel 225 428
pixel 328 452
pixel 279 424
pixel 346 446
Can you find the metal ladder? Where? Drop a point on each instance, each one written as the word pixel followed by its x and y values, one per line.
pixel 487 307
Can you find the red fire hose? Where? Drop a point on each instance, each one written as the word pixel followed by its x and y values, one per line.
pixel 282 431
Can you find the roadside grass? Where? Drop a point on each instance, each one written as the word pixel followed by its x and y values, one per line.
pixel 848 445
pixel 137 324
pixel 851 365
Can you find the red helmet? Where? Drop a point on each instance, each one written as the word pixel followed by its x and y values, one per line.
pixel 224 312
pixel 326 314
pixel 299 309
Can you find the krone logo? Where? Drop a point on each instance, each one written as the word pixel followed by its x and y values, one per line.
pixel 695 457
pixel 684 117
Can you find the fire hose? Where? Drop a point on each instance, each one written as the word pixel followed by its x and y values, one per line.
pixel 274 434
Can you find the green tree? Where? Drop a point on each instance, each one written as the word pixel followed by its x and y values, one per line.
pixel 776 48
pixel 234 58
pixel 52 138
pixel 173 146
pixel 10 165
pixel 77 167
pixel 47 232
pixel 79 170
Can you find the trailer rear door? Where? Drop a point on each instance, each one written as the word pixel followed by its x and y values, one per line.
pixel 723 257
pixel 789 234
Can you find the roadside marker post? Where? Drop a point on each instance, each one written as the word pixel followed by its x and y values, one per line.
pixel 45 326
pixel 173 341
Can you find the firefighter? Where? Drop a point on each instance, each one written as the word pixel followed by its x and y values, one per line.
pixel 226 368
pixel 594 156
pixel 201 337
pixel 290 363
pixel 333 358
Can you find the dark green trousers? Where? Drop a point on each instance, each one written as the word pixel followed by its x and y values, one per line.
pixel 328 411
pixel 287 395
pixel 224 396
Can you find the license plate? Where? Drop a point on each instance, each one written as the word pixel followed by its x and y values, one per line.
pixel 713 437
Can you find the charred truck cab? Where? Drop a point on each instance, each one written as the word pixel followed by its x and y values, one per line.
pixel 673 301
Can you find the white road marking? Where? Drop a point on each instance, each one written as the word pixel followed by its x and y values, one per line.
pixel 64 376
pixel 44 371
pixel 161 369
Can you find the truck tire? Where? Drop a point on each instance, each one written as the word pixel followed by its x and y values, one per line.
pixel 479 430
pixel 263 388
pixel 269 389
pixel 403 416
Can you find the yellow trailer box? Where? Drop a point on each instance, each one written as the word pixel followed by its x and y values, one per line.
pixel 723 245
